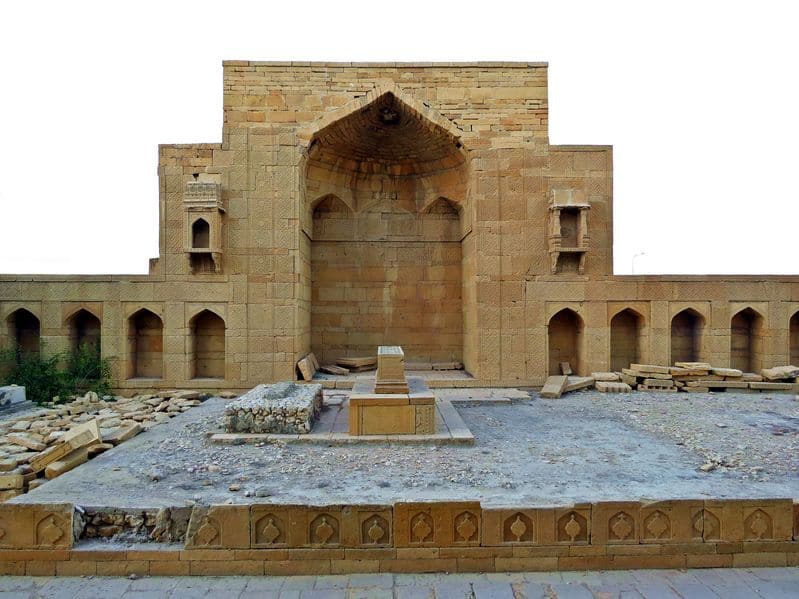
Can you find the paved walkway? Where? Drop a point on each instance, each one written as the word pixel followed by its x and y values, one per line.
pixel 769 583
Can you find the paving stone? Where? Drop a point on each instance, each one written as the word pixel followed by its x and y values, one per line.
pixel 382 581
pixel 264 583
pixel 274 594
pixel 567 590
pixel 656 591
pixel 335 581
pixel 323 594
pixel 299 583
pixel 413 592
pixel 154 583
pixel 535 590
pixel 453 589
pixel 492 590
pixel 370 593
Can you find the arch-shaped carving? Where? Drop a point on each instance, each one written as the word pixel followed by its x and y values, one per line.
pixel 626 328
pixel 24 331
pixel 565 339
pixel 572 528
pixel 746 340
pixel 200 234
pixel 84 330
pixel 687 331
pixel 145 344
pixel 207 354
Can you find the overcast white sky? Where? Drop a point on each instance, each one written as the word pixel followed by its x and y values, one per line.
pixel 699 100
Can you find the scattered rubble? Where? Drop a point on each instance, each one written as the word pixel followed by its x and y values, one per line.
pixel 50 441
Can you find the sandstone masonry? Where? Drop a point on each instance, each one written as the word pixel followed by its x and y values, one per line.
pixel 356 205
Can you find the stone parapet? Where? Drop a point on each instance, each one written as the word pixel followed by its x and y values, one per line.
pixel 417 537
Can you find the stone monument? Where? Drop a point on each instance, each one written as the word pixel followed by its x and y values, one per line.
pixel 388 404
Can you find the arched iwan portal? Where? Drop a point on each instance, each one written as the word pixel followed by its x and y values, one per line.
pixel 625 339
pixel 24 331
pixel 384 188
pixel 207 354
pixel 565 341
pixel 145 345
pixel 746 341
pixel 686 336
pixel 793 336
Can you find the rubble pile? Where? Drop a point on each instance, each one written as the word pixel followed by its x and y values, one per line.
pixel 43 444
pixel 699 377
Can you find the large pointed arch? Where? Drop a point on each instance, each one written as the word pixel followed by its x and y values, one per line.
pixel 564 341
pixel 389 271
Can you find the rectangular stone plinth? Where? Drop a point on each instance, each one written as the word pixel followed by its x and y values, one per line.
pixel 373 413
pixel 390 376
pixel 285 408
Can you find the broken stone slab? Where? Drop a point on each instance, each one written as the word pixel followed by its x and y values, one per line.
pixel 122 433
pixel 612 387
pixel 554 387
pixel 67 463
pixel 79 436
pixel 26 440
pixel 11 481
pixel 566 368
pixel 610 377
pixel 694 365
pixel 771 386
pixel 779 373
pixel 575 383
pixel 333 369
pixel 658 383
pixel 728 372
pixel 688 389
pixel 649 369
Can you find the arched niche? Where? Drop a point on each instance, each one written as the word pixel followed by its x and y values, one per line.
pixel 564 341
pixel 384 185
pixel 625 339
pixel 24 331
pixel 84 331
pixel 207 352
pixel 145 345
pixel 687 330
pixel 746 341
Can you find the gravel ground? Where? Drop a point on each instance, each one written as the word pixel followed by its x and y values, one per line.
pixel 586 446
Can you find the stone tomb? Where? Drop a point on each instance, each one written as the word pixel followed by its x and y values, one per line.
pixel 285 408
pixel 389 404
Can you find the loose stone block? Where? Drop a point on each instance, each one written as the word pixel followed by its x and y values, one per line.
pixel 780 373
pixel 610 387
pixel 67 463
pixel 605 376
pixel 649 368
pixel 727 372
pixel 285 408
pixel 554 387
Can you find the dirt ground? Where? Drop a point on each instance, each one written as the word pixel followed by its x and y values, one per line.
pixel 586 446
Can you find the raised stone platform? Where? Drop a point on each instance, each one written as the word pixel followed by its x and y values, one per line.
pixel 375 413
pixel 333 426
pixel 285 408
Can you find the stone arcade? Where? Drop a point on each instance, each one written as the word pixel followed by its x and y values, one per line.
pixel 354 205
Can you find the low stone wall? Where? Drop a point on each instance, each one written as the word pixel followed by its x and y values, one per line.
pixel 411 537
pixel 285 408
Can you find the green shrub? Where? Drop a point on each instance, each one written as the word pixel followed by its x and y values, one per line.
pixel 62 375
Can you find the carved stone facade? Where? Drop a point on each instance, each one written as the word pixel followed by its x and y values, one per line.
pixel 356 205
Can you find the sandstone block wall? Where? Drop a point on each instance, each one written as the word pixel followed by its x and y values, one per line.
pixel 354 205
